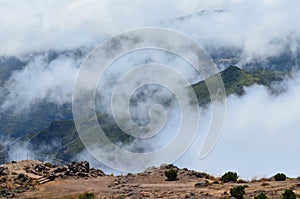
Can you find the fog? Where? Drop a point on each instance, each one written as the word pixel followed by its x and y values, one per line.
pixel 259 138
pixel 261 129
pixel 40 81
pixel 34 26
pixel 259 28
pixel 260 135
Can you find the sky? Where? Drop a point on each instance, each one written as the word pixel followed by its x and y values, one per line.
pixel 260 131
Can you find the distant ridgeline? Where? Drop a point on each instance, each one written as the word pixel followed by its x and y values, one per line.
pixel 61 140
pixel 235 79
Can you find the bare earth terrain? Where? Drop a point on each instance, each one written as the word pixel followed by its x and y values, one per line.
pixel 45 181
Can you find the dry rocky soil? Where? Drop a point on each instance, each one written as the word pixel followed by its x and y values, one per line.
pixel 33 179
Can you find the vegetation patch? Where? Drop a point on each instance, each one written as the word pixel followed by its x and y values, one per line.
pixel 280 177
pixel 229 177
pixel 238 192
pixel 87 195
pixel 171 175
pixel 261 196
pixel 289 194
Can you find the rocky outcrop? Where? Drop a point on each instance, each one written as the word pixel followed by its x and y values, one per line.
pixel 74 169
pixel 17 177
pixel 13 184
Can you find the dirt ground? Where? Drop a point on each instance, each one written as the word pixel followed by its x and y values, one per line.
pixel 102 188
pixel 152 184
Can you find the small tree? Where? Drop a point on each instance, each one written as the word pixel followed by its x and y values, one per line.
pixel 289 194
pixel 280 177
pixel 171 175
pixel 237 192
pixel 261 196
pixel 229 177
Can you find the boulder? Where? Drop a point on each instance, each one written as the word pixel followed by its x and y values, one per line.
pixel 3 171
pixel 60 169
pixel 202 183
pixel 52 177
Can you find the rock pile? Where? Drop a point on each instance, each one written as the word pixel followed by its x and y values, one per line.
pixel 14 183
pixel 80 169
pixel 74 169
pixel 17 177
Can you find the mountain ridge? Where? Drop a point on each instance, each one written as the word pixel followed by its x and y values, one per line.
pixel 63 132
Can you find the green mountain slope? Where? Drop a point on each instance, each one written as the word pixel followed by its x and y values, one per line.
pixel 235 79
pixel 61 138
pixel 34 120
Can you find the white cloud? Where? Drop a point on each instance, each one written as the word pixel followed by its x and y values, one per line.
pixel 33 25
pixel 260 136
pixel 40 81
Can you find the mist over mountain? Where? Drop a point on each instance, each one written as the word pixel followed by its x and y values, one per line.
pixel 255 44
pixel 22 99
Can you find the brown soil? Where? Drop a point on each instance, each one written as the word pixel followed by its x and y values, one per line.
pixel 152 184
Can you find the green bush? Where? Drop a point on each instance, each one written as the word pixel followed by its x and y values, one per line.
pixel 237 192
pixel 87 195
pixel 171 175
pixel 229 177
pixel 261 196
pixel 289 194
pixel 280 177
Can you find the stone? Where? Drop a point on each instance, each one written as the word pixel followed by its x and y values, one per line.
pixel 20 175
pixel 202 183
pixel 52 177
pixel 3 171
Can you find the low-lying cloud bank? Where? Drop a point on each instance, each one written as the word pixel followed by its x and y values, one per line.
pixel 260 135
pixel 40 80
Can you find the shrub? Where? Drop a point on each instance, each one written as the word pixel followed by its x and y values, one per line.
pixel 280 177
pixel 237 192
pixel 87 195
pixel 171 174
pixel 261 196
pixel 229 177
pixel 289 194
